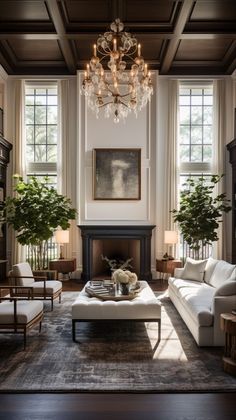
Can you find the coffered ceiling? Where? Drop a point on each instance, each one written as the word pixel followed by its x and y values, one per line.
pixel 178 37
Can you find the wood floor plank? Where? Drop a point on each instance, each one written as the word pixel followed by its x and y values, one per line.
pixel 71 406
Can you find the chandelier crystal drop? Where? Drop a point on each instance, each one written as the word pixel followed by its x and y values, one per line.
pixel 117 90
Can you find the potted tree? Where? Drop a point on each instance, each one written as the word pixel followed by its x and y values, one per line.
pixel 35 213
pixel 200 212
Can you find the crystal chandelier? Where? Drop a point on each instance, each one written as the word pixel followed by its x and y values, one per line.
pixel 118 90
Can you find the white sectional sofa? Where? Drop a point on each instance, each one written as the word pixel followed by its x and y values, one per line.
pixel 201 291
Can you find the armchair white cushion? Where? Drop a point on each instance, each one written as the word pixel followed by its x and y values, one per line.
pixel 18 315
pixel 22 275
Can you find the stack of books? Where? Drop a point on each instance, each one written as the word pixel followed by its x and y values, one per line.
pixel 99 289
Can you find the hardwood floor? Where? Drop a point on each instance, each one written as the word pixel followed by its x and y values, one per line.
pixel 218 406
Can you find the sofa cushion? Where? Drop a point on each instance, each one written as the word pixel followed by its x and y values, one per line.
pixel 196 298
pixel 210 267
pixel 194 270
pixel 228 288
pixel 222 272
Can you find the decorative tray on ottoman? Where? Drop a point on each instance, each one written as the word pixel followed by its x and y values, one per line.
pixel 108 291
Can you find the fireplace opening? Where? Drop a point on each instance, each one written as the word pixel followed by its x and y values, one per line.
pixel 120 250
pixel 116 241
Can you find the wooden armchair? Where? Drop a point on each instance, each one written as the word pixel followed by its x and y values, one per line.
pixel 22 275
pixel 18 315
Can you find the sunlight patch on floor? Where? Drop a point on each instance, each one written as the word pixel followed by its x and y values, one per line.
pixel 170 346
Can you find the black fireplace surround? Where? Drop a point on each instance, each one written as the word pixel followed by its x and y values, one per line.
pixel 143 233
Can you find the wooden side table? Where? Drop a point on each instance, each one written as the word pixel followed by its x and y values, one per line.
pixel 65 265
pixel 167 267
pixel 228 325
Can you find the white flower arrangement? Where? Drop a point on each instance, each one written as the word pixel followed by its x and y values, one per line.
pixel 125 277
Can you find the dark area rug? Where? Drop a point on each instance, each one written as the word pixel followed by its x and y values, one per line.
pixel 110 356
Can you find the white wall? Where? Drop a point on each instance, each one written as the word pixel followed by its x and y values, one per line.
pixel 96 133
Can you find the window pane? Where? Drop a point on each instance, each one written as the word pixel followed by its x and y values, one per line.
pixel 184 115
pixel 196 115
pixel 196 135
pixel 207 153
pixel 29 91
pixel 196 91
pixel 30 153
pixel 40 153
pixel 52 153
pixel 185 134
pixel 41 100
pixel 52 91
pixel 184 100
pixel 40 91
pixel 52 100
pixel 184 153
pixel 207 136
pixel 52 114
pixel 52 134
pixel 29 100
pixel 196 153
pixel 208 100
pixel 207 115
pixel 30 134
pixel 40 134
pixel 196 100
pixel 29 114
pixel 184 91
pixel 40 114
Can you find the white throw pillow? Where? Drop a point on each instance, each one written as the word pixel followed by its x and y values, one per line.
pixel 194 270
pixel 210 267
pixel 222 272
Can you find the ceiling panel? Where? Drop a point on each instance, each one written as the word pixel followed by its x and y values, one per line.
pixel 214 10
pixel 185 37
pixel 203 49
pixel 148 11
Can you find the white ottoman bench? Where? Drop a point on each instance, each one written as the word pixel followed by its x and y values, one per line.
pixel 145 307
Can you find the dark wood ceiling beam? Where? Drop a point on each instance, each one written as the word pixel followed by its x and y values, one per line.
pixel 5 63
pixel 174 42
pixel 230 59
pixel 231 67
pixel 59 26
pixel 85 35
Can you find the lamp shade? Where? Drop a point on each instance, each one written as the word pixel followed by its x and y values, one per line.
pixel 62 236
pixel 170 237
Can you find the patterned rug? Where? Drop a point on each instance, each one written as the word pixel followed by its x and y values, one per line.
pixel 110 356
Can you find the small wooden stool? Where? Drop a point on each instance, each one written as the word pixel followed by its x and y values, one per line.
pixel 228 325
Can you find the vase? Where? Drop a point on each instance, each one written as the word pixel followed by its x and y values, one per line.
pixel 124 288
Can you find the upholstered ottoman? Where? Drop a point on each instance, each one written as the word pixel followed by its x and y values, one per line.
pixel 145 307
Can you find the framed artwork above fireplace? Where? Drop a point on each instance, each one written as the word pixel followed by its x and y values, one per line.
pixel 117 174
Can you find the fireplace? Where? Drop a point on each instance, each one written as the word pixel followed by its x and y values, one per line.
pixel 116 242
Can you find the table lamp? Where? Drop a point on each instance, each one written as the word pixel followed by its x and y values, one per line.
pixel 170 238
pixel 62 237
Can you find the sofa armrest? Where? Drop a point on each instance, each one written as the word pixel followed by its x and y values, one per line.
pixel 178 272
pixel 220 305
pixel 226 289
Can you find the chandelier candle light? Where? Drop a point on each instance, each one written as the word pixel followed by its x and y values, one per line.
pixel 117 90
